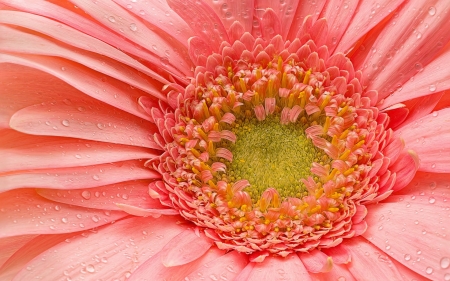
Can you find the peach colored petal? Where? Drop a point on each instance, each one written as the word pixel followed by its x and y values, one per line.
pixel 184 248
pixel 26 152
pixel 226 267
pixel 364 254
pixel 339 254
pixel 84 120
pixel 423 106
pixel 415 235
pixel 72 36
pixel 141 212
pixel 316 261
pixel 310 8
pixel 277 268
pixel 78 177
pixel 425 186
pixel 25 212
pixel 428 137
pixel 232 11
pixel 368 14
pixel 133 192
pixel 100 253
pixel 405 168
pixel 285 8
pixel 153 269
pixel 338 272
pixel 419 34
pixel 10 245
pixel 30 250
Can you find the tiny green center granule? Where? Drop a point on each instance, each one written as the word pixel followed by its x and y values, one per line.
pixel 269 154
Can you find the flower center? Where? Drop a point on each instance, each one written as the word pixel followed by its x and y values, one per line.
pixel 269 154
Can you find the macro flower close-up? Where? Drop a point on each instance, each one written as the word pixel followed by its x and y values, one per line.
pixel 225 140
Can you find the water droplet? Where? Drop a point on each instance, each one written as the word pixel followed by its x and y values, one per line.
pixel 63 68
pixel 125 196
pixel 429 270
pixel 433 166
pixel 341 278
pixel 432 11
pixel 86 194
pixel 432 200
pixel 407 257
pixel 142 12
pixel 447 277
pixel 65 123
pixel 418 35
pixel 100 126
pixel 432 88
pixel 96 177
pixel 57 207
pixel 129 6
pixel 445 262
pixel 133 27
pixel 78 156
pixel 127 274
pixel 435 113
pixel 112 19
pixel 95 218
pixel 64 220
pixel 90 268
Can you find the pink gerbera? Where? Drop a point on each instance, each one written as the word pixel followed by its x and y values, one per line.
pixel 224 140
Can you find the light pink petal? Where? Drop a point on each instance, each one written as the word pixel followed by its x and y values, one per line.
pixel 422 106
pixel 414 231
pixel 231 11
pixel 369 13
pixel 70 35
pixel 23 152
pixel 316 261
pixel 206 23
pixel 113 251
pixel 405 168
pixel 153 269
pixel 368 260
pixel 339 254
pixel 29 251
pixel 285 8
pixel 84 120
pixel 88 81
pixel 21 42
pixel 420 32
pixel 25 212
pixel 78 177
pixel 10 245
pixel 141 212
pixel 277 269
pixel 311 8
pixel 160 15
pixel 133 192
pixel 122 22
pixel 338 14
pixel 425 186
pixel 428 137
pixel 226 267
pixel 338 272
pixel 184 248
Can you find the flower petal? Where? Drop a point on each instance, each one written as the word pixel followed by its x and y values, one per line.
pixel 413 231
pixel 10 245
pixel 316 261
pixel 428 137
pixel 25 212
pixel 310 8
pixel 100 254
pixel 184 248
pixel 277 268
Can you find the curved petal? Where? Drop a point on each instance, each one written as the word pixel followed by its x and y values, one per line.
pixel 153 269
pixel 310 8
pixel 338 272
pixel 10 245
pixel 113 251
pixel 428 137
pixel 285 10
pixel 277 268
pixel 25 212
pixel 231 11
pixel 410 232
pixel 105 197
pixel 425 186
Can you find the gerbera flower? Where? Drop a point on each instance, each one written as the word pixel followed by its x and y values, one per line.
pixel 221 140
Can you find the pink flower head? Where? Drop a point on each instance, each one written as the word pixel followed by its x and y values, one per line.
pixel 224 140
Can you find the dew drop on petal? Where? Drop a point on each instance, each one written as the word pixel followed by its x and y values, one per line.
pixel 432 11
pixel 96 177
pixel 133 27
pixel 95 218
pixel 435 114
pixel 64 220
pixel 86 194
pixel 407 257
pixel 445 262
pixel 447 277
pixel 431 200
pixel 432 88
pixel 429 270
pixel 65 123
pixel 90 268
pixel 112 19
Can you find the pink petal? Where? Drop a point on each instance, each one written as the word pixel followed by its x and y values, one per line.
pixel 153 269
pixel 367 260
pixel 10 245
pixel 405 168
pixel 122 22
pixel 105 197
pixel 26 152
pixel 30 250
pixel 113 251
pixel 422 107
pixel 141 212
pixel 428 137
pixel 421 29
pixel 210 30
pixel 311 8
pixel 369 13
pixel 85 120
pixel 425 186
pixel 338 272
pixel 226 267
pixel 184 248
pixel 277 268
pixel 72 36
pixel 316 261
pixel 415 235
pixel 231 11
pixel 78 177
pixel 285 8
pixel 339 254
pixel 25 212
